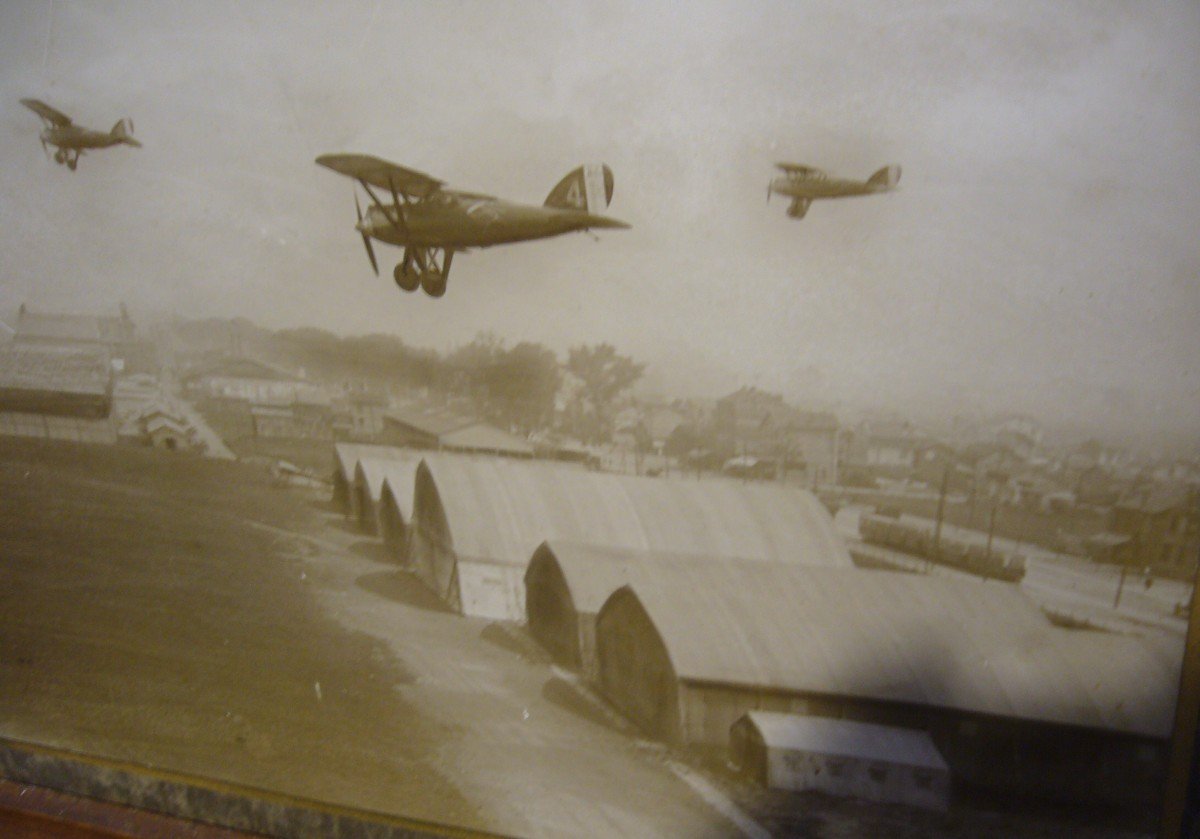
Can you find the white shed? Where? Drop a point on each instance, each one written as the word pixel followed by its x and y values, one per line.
pixel 841 757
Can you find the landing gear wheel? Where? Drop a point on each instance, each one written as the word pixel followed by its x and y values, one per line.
pixel 406 277
pixel 433 283
pixel 60 156
pixel 72 163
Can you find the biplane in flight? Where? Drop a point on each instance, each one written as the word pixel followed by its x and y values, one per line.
pixel 432 223
pixel 804 184
pixel 71 140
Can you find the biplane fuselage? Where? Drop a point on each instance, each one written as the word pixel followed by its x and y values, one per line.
pixel 803 187
pixel 76 138
pixel 462 223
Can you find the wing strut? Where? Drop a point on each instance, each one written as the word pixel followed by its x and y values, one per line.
pixel 397 220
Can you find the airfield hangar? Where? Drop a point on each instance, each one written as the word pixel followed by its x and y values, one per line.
pixel 476 522
pixel 693 604
pixel 1011 701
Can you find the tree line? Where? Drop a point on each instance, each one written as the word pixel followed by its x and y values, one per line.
pixel 523 387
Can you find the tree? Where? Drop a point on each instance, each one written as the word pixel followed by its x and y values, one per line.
pixel 514 388
pixel 522 384
pixel 603 375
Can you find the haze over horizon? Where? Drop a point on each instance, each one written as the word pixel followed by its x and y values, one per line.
pixel 1040 255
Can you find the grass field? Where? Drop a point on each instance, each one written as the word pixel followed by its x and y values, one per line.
pixel 146 617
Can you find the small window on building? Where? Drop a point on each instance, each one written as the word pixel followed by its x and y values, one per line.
pixel 923 778
pixel 837 767
pixel 877 773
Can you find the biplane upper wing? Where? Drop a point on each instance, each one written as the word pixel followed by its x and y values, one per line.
pixel 469 196
pixel 51 115
pixel 801 171
pixel 377 172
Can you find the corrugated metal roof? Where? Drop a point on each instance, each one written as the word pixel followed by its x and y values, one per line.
pixel 347 455
pixel 488 438
pixel 502 510
pixel 428 419
pixel 68 327
pixel 58 369
pixel 865 741
pixel 593 572
pixel 242 368
pixel 398 476
pixel 398 464
pixel 932 641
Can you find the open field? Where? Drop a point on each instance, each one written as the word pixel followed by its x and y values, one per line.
pixel 145 619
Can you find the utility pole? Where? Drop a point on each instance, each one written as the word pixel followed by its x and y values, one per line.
pixel 941 510
pixel 991 532
pixel 1120 585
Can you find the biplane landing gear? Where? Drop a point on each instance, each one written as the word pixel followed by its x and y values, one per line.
pixel 407 277
pixel 60 156
pixel 433 283
pixel 429 267
pixel 72 163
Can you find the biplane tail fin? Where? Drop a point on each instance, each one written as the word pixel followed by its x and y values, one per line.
pixel 588 189
pixel 885 178
pixel 123 132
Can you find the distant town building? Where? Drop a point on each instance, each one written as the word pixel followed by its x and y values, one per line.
pixel 1161 526
pixel 428 427
pixel 115 334
pixel 889 445
pixel 56 392
pixel 359 416
pixel 762 425
pixel 51 379
pixel 299 420
pixel 165 432
pixel 248 380
pixel 1019 432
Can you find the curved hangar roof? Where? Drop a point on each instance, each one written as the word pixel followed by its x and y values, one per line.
pixel 932 641
pixel 348 455
pixel 498 511
pixel 398 469
pixel 502 510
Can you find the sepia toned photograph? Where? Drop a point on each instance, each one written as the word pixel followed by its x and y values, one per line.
pixel 587 419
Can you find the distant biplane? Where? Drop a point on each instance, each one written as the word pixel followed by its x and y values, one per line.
pixel 70 140
pixel 804 184
pixel 432 223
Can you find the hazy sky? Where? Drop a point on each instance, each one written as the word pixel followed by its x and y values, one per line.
pixel 1041 255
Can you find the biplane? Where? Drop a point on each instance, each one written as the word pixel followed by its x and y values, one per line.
pixel 805 184
pixel 71 140
pixel 432 223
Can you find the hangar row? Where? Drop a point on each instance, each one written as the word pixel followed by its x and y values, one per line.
pixel 467 526
pixel 692 604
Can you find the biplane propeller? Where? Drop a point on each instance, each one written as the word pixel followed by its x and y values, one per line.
pixel 71 140
pixel 433 223
pixel 804 184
